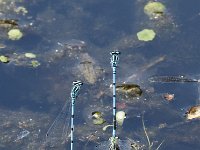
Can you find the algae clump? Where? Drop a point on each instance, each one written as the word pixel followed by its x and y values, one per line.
pixel 15 34
pixel 154 9
pixel 146 35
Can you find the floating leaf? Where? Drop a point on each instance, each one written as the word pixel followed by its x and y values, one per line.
pixel 4 59
pixel 30 55
pixel 154 9
pixel 146 35
pixel 15 34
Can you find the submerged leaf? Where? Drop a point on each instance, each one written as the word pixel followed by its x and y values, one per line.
pixel 35 63
pixel 97 114
pixel 98 121
pixel 129 90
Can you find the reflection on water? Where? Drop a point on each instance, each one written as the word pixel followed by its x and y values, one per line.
pixel 72 41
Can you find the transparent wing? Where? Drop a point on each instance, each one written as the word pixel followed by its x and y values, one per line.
pixel 58 133
pixel 164 79
pixel 198 100
pixel 123 145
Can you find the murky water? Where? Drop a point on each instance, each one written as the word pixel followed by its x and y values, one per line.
pixel 72 41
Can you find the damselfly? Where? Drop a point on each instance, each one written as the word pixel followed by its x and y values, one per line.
pixel 58 133
pixel 114 143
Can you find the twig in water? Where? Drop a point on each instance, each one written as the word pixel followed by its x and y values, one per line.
pixel 146 134
pixel 150 144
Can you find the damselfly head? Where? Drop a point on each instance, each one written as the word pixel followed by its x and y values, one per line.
pixel 116 52
pixel 77 82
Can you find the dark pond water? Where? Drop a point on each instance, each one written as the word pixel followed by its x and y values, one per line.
pixel 72 41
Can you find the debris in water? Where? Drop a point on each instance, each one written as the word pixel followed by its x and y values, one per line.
pixel 8 23
pixel 22 135
pixel 193 112
pixel 129 90
pixel 75 44
pixel 168 96
pixel 97 114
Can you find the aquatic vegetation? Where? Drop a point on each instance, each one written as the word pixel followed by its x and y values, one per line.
pixel 88 69
pixel 4 59
pixel 150 144
pixel 146 35
pixel 21 10
pixel 97 118
pixel 15 34
pixel 35 63
pixel 154 9
pixel 135 145
pixel 62 120
pixel 8 23
pixel 120 116
pixel 30 55
pixel 97 114
pixel 98 121
pixel 21 59
pixel 129 90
